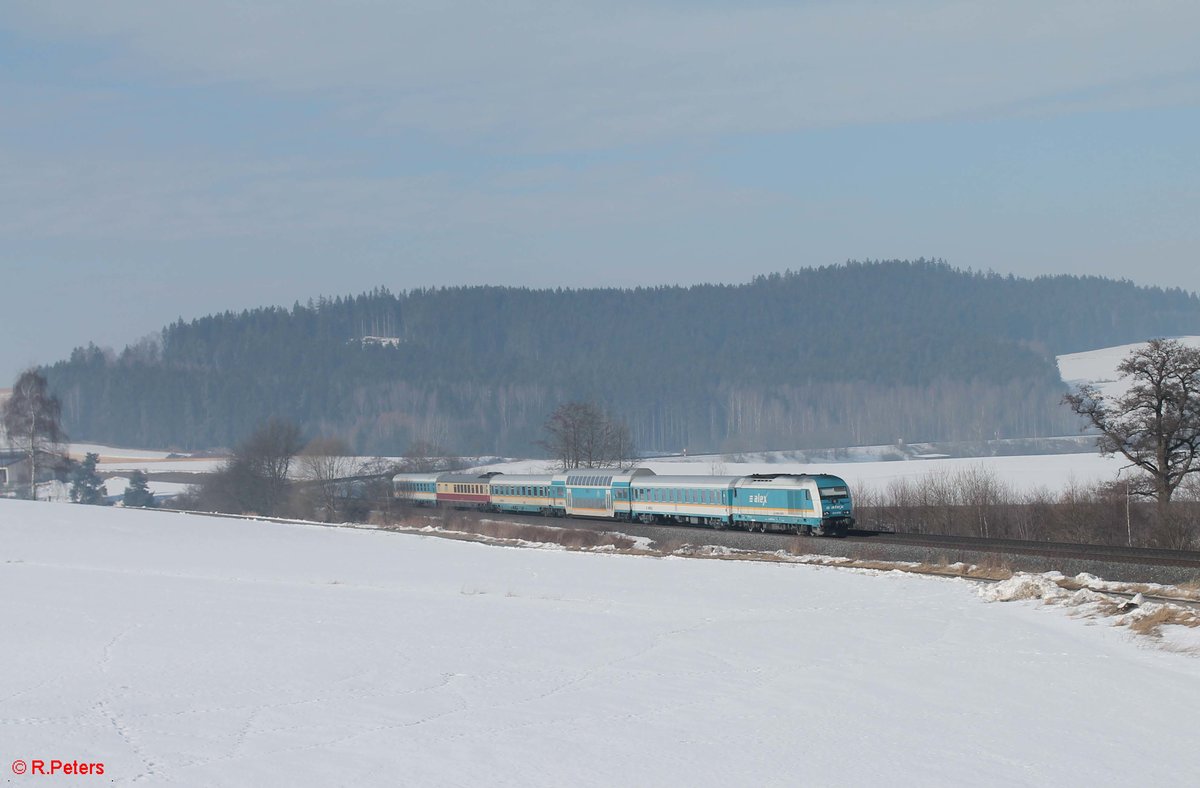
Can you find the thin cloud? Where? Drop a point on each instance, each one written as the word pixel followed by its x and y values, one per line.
pixel 596 74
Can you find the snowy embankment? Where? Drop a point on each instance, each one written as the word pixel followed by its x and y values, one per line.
pixel 212 652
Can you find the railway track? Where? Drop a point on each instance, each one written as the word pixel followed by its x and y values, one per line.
pixel 1123 564
pixel 1138 555
pixel 774 541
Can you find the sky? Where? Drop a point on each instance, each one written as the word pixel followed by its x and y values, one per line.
pixel 163 160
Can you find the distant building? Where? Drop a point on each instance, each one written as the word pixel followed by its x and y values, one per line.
pixel 14 469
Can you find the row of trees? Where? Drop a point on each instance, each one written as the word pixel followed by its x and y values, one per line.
pixel 276 472
pixel 842 355
pixel 1153 422
pixel 974 502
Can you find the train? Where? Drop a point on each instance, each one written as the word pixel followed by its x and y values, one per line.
pixel 817 504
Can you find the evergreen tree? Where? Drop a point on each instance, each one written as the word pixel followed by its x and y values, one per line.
pixel 86 486
pixel 138 492
pixel 852 354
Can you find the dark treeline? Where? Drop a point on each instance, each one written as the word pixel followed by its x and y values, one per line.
pixel 849 354
pixel 974 502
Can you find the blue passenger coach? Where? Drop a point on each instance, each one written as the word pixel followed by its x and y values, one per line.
pixel 699 500
pixel 599 492
pixel 417 488
pixel 535 494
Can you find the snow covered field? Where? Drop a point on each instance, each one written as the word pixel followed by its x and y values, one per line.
pixel 1052 471
pixel 208 652
pixel 1099 367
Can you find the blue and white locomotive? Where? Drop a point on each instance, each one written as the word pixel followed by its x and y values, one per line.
pixel 817 504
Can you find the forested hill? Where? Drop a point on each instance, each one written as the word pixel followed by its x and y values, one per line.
pixel 848 354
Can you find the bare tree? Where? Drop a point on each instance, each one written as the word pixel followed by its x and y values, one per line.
pixel 325 462
pixel 581 435
pixel 32 420
pixel 423 457
pixel 256 478
pixel 980 491
pixel 1156 423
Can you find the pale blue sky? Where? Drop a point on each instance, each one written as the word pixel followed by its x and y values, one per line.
pixel 165 159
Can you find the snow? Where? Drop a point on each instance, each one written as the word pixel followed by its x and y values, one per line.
pixel 1052 471
pixel 115 487
pixel 1022 586
pixel 197 465
pixel 107 453
pixel 216 652
pixel 1099 367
